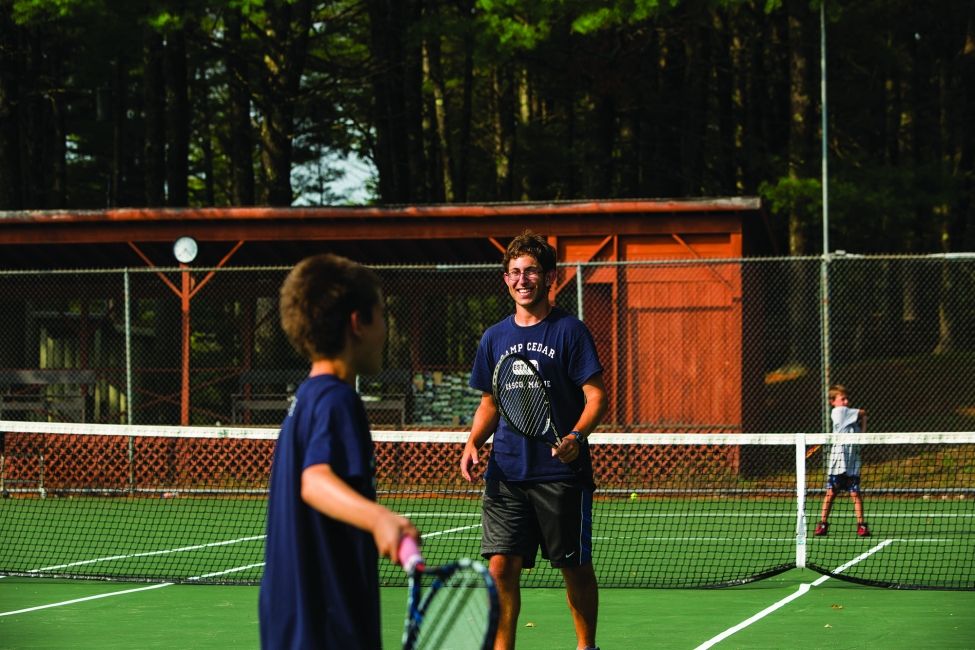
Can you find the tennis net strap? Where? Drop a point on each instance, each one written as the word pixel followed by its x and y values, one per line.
pixel 672 510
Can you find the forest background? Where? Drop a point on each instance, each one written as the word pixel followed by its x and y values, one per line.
pixel 113 103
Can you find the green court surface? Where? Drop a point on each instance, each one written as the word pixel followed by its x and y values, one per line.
pixel 637 543
pixel 650 548
pixel 786 615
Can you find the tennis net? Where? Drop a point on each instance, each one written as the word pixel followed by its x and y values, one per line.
pixel 187 504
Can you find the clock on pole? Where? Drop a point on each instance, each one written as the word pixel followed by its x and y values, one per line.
pixel 185 249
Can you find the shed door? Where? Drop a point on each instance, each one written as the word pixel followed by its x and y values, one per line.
pixel 684 323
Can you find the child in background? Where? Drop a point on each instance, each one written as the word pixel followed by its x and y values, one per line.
pixel 844 460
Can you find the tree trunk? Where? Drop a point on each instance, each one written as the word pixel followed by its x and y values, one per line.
pixel 391 115
pixel 413 87
pixel 504 131
pixel 957 91
pixel 799 116
pixel 206 141
pixel 289 24
pixel 964 137
pixel 154 109
pixel 727 73
pixel 11 180
pixel 667 161
pixel 694 118
pixel 604 145
pixel 177 119
pixel 799 130
pixel 462 186
pixel 117 116
pixel 443 139
pixel 241 141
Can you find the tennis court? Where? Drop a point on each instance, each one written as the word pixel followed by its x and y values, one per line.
pixel 166 524
pixel 830 614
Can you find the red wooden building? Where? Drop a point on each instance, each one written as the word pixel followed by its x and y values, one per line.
pixel 672 348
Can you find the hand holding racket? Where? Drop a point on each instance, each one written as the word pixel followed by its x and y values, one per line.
pixel 458 609
pixel 520 393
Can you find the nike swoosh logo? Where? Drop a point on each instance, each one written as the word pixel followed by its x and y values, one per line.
pixel 568 555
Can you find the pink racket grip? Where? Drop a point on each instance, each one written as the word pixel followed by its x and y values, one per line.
pixel 409 554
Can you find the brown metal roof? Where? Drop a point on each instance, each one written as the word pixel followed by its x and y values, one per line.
pixel 449 233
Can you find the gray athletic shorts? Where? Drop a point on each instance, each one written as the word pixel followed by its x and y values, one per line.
pixel 518 518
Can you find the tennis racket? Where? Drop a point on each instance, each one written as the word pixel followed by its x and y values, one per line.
pixel 452 607
pixel 523 399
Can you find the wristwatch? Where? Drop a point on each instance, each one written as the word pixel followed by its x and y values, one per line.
pixel 579 436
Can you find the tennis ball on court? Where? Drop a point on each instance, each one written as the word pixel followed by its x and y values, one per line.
pixel 634 495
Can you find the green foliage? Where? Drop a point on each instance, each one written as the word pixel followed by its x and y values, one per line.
pixel 525 24
pixel 880 208
pixel 793 196
pixel 164 20
pixel 514 99
pixel 247 7
pixel 33 11
pixel 601 15
pixel 515 24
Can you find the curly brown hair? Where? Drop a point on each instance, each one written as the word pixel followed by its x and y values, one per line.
pixel 529 243
pixel 318 298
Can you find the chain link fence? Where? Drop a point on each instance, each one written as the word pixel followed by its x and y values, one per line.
pixel 700 346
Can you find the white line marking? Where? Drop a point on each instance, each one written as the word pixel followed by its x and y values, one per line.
pixel 801 591
pixel 451 530
pixel 130 591
pixel 444 515
pixel 803 588
pixel 169 584
pixel 86 598
pixel 167 551
pixel 226 571
pixel 768 515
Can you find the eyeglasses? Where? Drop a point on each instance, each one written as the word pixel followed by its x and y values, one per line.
pixel 531 273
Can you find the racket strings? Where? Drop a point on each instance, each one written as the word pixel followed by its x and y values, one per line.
pixel 458 617
pixel 522 399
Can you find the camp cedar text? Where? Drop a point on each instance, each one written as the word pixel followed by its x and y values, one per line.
pixel 532 346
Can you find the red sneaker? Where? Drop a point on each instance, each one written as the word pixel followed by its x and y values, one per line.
pixel 862 530
pixel 821 529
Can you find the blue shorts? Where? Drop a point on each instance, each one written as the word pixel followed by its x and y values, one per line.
pixel 518 518
pixel 843 483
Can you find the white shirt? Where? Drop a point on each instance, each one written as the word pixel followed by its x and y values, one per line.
pixel 845 458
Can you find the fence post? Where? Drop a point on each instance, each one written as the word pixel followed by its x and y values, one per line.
pixel 824 334
pixel 128 374
pixel 800 447
pixel 579 309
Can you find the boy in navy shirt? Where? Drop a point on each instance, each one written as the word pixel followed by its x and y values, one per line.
pixel 325 531
pixel 532 497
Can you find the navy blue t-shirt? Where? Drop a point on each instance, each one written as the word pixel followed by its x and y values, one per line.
pixel 320 587
pixel 566 356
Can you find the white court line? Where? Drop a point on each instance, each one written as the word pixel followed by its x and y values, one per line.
pixel 86 598
pixel 442 515
pixel 129 591
pixel 170 584
pixel 167 551
pixel 138 589
pixel 771 515
pixel 803 589
pixel 451 530
pixel 226 571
